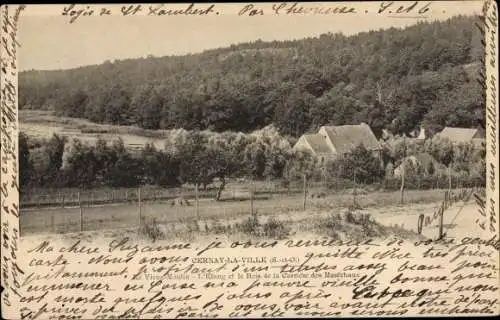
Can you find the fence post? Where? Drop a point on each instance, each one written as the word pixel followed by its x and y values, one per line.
pixel 140 209
pixel 305 190
pixel 52 223
pixel 197 202
pixel 62 200
pixel 449 178
pixel 81 211
pixel 89 197
pixel 441 218
pixel 251 198
pixel 402 192
pixel 354 191
pixel 420 223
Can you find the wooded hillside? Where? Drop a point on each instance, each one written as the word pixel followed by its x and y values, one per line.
pixel 395 79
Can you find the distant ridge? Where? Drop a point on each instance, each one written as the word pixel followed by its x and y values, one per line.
pixel 394 79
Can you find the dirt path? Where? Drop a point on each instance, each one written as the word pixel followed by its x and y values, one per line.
pixel 459 220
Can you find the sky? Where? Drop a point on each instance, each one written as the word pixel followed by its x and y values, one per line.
pixel 48 41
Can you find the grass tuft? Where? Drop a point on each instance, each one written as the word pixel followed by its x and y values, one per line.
pixel 250 226
pixel 272 228
pixel 275 228
pixel 150 229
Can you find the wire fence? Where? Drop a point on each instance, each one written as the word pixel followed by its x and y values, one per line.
pixel 86 210
pixel 75 197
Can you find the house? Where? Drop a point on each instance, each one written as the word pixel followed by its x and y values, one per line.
pixel 335 141
pixel 421 134
pixel 423 163
pixel 463 135
pixel 314 144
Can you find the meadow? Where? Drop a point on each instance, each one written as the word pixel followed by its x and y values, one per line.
pixel 42 124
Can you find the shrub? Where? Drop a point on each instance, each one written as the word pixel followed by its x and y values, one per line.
pixel 192 226
pixel 360 165
pixel 350 218
pixel 351 225
pixel 331 225
pixel 250 226
pixel 219 228
pixel 150 229
pixel 275 228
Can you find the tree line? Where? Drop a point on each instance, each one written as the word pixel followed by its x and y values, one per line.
pixel 199 158
pixel 190 157
pixel 393 79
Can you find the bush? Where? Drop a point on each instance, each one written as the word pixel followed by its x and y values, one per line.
pixel 275 228
pixel 360 165
pixel 331 225
pixel 192 225
pixel 350 218
pixel 150 229
pixel 351 225
pixel 250 226
pixel 219 228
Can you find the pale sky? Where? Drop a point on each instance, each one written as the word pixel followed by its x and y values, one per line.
pixel 48 41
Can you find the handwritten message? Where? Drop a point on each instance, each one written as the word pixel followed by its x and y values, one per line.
pixel 125 278
pixel 9 188
pixel 413 9
pixel 490 22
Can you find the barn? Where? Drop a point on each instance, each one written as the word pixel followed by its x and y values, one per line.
pixel 336 141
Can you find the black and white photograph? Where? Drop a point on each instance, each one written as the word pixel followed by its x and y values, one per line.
pixel 161 126
pixel 339 133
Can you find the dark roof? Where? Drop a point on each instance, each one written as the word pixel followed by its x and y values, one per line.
pixel 318 143
pixel 346 138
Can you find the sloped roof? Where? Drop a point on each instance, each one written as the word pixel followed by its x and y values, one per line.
pixel 458 134
pixel 346 138
pixel 318 143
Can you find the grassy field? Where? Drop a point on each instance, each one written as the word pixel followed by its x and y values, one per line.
pixel 126 215
pixel 40 124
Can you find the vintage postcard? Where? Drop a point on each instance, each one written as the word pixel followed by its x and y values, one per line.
pixel 249 160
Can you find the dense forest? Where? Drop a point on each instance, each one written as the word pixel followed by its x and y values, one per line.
pixel 394 79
